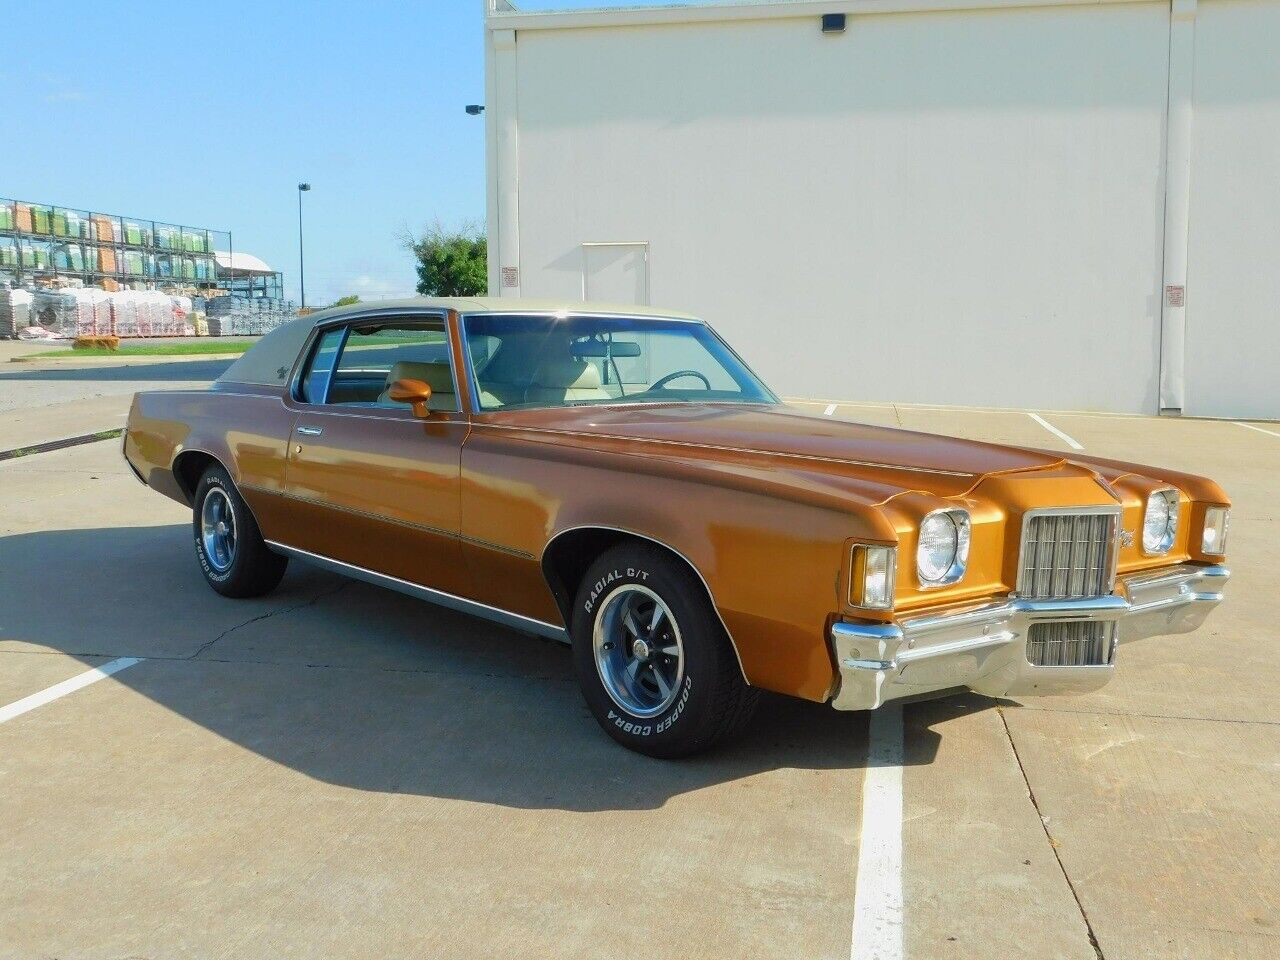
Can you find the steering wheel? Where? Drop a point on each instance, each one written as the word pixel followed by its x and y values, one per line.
pixel 663 381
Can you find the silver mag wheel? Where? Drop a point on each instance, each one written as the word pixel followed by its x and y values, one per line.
pixel 638 650
pixel 218 530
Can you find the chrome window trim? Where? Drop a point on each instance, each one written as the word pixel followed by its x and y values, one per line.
pixel 960 564
pixel 474 385
pixel 309 351
pixel 507 618
pixel 347 321
pixel 1113 539
pixel 1173 532
pixel 777 401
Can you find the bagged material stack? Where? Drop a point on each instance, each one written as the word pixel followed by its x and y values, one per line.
pixel 52 311
pixel 160 310
pixel 124 314
pixel 102 312
pixel 15 311
pixel 105 230
pixel 98 305
pixel 180 311
pixel 133 263
pixel 77 226
pixel 69 313
pixel 145 311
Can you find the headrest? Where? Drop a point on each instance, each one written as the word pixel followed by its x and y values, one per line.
pixel 437 376
pixel 554 373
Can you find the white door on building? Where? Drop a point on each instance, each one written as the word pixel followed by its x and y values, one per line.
pixel 615 272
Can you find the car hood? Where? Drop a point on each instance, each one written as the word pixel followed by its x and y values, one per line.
pixel 905 458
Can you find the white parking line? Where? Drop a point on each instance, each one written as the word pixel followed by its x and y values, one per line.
pixel 877 899
pixel 1055 431
pixel 1250 426
pixel 18 708
pixel 831 408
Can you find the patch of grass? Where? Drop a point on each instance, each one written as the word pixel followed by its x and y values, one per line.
pixel 196 347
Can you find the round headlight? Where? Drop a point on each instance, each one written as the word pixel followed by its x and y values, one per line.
pixel 943 548
pixel 1160 522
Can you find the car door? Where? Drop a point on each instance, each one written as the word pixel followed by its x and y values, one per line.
pixel 368 483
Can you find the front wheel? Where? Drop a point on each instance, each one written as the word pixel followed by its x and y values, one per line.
pixel 654 663
pixel 234 558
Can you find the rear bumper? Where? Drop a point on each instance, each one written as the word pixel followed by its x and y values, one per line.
pixel 983 648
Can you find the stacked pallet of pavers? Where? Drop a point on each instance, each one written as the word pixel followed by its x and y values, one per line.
pixel 243 316
pixel 225 314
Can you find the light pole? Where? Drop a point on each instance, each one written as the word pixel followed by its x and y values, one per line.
pixel 302 267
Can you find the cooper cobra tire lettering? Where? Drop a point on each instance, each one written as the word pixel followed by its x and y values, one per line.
pixel 209 572
pixel 638 730
pixel 678 708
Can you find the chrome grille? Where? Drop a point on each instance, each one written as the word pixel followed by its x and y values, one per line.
pixel 1067 554
pixel 1077 643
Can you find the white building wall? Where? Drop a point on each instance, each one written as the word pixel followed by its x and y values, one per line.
pixel 1233 276
pixel 960 207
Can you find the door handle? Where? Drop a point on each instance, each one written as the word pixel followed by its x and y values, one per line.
pixel 310 431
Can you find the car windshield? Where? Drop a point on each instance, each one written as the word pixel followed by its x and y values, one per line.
pixel 527 361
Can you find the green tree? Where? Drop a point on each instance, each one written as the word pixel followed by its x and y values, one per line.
pixel 451 263
pixel 347 301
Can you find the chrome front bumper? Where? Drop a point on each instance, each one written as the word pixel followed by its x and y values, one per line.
pixel 983 648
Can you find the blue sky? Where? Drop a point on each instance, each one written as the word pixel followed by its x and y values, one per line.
pixel 209 114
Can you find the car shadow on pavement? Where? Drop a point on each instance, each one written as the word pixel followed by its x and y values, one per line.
pixel 368 689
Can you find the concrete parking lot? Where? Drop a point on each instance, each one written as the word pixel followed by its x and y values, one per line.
pixel 336 770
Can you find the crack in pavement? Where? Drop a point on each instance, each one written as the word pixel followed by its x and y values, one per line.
pixel 1053 844
pixel 267 616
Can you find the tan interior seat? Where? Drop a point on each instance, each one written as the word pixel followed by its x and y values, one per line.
pixel 438 376
pixel 538 369
pixel 565 380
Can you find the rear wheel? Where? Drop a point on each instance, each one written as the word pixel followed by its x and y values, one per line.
pixel 234 558
pixel 654 663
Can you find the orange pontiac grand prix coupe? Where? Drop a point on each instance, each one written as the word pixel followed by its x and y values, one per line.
pixel 618 479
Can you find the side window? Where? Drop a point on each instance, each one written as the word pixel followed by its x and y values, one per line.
pixel 378 354
pixel 316 381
